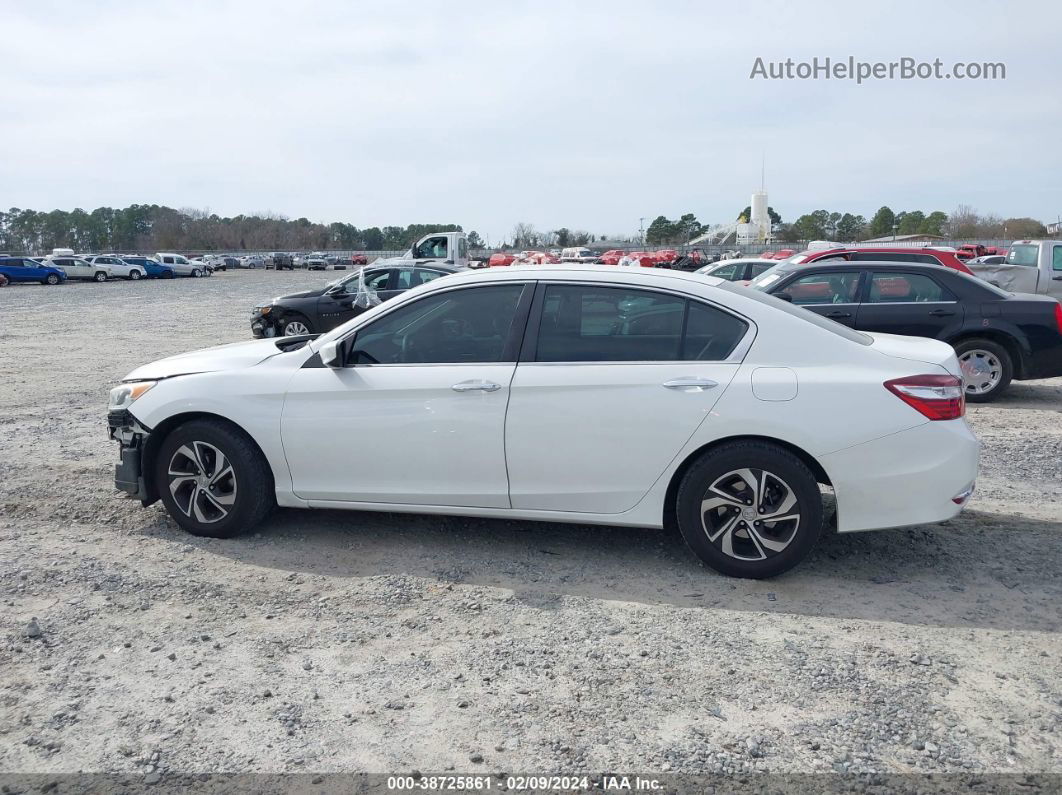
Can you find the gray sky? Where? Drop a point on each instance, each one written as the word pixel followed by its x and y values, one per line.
pixel 580 114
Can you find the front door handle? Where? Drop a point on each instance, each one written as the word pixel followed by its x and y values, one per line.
pixel 838 314
pixel 476 386
pixel 690 382
pixel 941 313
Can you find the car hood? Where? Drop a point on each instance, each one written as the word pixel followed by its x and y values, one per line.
pixel 207 360
pixel 304 294
pixel 917 349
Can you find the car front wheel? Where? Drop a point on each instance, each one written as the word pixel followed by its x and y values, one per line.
pixel 196 273
pixel 749 509
pixel 297 325
pixel 100 276
pixel 134 275
pixel 213 480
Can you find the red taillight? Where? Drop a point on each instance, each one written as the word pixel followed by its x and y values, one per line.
pixel 939 397
pixel 1058 317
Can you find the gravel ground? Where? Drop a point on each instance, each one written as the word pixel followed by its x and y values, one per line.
pixel 346 641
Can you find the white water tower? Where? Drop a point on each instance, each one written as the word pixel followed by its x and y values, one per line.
pixel 758 227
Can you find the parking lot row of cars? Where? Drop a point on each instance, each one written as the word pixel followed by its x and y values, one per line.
pixel 64 265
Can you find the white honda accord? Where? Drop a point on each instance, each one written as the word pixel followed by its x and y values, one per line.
pixel 575 394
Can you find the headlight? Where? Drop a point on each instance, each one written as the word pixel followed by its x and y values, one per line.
pixel 265 310
pixel 122 396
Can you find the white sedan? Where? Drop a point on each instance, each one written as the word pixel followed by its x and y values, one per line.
pixel 570 393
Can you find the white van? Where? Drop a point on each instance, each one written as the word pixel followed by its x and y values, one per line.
pixel 181 266
pixel 578 254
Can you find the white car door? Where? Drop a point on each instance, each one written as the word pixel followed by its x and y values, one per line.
pixel 417 415
pixel 612 382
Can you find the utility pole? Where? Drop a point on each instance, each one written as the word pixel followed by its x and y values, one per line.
pixel 641 230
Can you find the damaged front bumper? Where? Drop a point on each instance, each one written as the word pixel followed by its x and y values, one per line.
pixel 131 437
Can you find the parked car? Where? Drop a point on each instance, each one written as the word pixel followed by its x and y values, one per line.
pixel 153 269
pixel 24 269
pixel 279 260
pixel 1031 266
pixel 738 270
pixel 316 261
pixel 205 266
pixel 987 259
pixel 253 261
pixel 358 259
pixel 501 259
pixel 79 269
pixel 181 265
pixel 611 257
pixel 324 308
pixel 575 254
pixel 929 256
pixel 998 336
pixel 119 267
pixel 437 402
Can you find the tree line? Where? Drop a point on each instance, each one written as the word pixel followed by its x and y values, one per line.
pixel 152 227
pixel 965 222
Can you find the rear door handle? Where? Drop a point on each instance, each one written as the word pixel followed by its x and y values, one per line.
pixel 1056 278
pixel 476 386
pixel 941 312
pixel 690 382
pixel 838 314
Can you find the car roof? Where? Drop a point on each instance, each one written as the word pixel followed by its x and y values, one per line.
pixel 887 265
pixel 571 271
pixel 743 260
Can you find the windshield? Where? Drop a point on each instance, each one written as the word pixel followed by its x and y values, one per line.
pixel 1023 255
pixel 769 277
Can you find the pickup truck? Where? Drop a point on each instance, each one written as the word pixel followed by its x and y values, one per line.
pixel 440 248
pixel 1032 266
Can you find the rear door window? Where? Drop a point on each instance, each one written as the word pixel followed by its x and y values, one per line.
pixel 584 323
pixel 892 287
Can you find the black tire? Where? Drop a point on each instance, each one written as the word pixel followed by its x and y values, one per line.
pixel 134 275
pixel 296 318
pixel 167 274
pixel 196 273
pixel 252 480
pixel 100 276
pixel 51 279
pixel 785 475
pixel 974 345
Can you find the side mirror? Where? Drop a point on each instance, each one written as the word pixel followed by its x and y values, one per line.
pixel 784 297
pixel 332 355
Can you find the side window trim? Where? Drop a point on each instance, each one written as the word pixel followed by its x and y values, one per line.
pixel 944 290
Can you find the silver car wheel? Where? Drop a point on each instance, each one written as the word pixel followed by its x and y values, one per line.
pixel 202 482
pixel 750 514
pixel 294 328
pixel 981 371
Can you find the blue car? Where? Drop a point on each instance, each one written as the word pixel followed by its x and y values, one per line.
pixel 23 269
pixel 153 269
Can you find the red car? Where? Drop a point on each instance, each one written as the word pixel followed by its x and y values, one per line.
pixel 611 257
pixel 930 256
pixel 500 259
pixel 359 259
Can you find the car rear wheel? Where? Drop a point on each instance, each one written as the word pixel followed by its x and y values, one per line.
pixel 100 276
pixel 987 369
pixel 297 325
pixel 749 509
pixel 213 480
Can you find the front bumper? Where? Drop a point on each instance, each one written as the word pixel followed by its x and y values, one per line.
pixel 131 437
pixel 263 326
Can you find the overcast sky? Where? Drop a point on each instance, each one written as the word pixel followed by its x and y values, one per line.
pixel 580 114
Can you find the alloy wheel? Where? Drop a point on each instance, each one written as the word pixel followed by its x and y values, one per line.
pixel 202 482
pixel 750 514
pixel 294 328
pixel 981 371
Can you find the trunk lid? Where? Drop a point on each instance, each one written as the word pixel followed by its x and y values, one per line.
pixel 917 349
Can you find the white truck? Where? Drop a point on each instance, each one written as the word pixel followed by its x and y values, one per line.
pixel 442 248
pixel 1031 266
